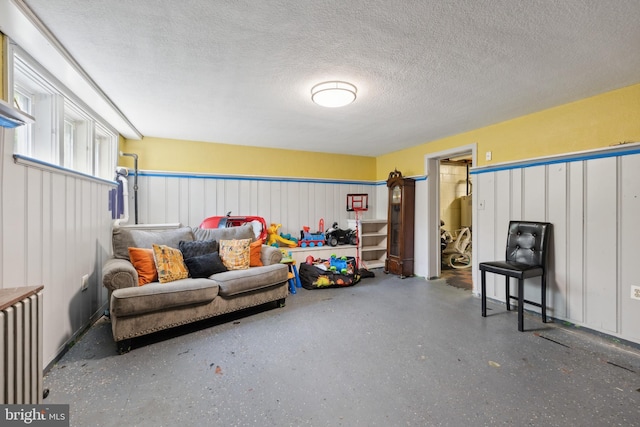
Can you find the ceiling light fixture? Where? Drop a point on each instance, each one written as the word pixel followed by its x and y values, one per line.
pixel 333 94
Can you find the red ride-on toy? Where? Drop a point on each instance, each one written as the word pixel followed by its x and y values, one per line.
pixel 258 223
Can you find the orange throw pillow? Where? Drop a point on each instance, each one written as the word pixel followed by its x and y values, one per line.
pixel 255 249
pixel 142 260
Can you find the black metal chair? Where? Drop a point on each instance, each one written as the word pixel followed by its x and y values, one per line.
pixel 526 257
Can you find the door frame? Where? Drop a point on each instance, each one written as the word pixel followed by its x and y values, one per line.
pixel 432 171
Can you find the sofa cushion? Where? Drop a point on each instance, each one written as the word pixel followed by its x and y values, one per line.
pixel 197 247
pixel 169 263
pixel 235 254
pixel 244 231
pixel 156 296
pixel 205 265
pixel 124 238
pixel 239 281
pixel 143 262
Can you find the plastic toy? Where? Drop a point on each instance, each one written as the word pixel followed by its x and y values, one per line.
pixel 336 236
pixel 288 236
pixel 310 239
pixel 258 223
pixel 338 264
pixel 274 239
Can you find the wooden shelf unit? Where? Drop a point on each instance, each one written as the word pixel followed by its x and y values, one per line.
pixel 372 241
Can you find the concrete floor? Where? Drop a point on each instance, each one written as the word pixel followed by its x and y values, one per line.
pixel 386 352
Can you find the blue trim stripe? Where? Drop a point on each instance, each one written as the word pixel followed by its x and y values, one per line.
pixel 264 178
pixel 251 178
pixel 577 158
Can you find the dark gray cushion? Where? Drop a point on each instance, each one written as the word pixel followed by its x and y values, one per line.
pixel 202 266
pixel 197 248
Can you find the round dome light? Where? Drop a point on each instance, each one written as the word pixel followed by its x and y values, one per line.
pixel 333 94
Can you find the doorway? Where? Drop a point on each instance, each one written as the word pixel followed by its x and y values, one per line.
pixel 455 218
pixel 434 183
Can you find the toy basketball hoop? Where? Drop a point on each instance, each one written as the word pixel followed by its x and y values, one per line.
pixel 357 202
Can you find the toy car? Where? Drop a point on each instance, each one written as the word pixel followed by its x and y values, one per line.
pixel 336 236
pixel 307 238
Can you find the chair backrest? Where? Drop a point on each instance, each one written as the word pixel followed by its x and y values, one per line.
pixel 527 242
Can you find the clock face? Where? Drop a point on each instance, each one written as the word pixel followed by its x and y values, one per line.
pixel 396 195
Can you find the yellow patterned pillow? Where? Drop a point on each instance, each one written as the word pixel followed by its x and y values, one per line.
pixel 169 263
pixel 235 254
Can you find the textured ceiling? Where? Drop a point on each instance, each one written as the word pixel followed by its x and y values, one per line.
pixel 240 72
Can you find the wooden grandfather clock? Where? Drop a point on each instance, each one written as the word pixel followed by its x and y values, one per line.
pixel 400 222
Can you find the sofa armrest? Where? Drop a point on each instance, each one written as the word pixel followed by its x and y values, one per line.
pixel 118 274
pixel 270 255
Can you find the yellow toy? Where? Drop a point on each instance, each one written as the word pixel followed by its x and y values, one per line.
pixel 274 238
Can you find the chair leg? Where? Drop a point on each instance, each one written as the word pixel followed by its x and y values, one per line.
pixel 544 297
pixel 507 292
pixel 521 305
pixel 483 290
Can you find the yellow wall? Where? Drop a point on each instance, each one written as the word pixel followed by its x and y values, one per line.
pixel 595 122
pixel 203 157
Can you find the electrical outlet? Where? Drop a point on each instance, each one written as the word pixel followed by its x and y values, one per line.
pixel 487 155
pixel 635 292
pixel 85 282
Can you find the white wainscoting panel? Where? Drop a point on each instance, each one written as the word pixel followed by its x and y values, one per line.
pixel 55 227
pixel 600 232
pixel 629 231
pixel 557 293
pixel 485 228
pixel 421 229
pixel 593 202
pixel 502 211
pixel 575 243
pixel 189 199
pixel 534 193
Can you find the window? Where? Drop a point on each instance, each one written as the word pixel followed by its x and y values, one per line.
pixel 103 153
pixel 66 133
pixel 23 102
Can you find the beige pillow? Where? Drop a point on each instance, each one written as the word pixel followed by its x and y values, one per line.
pixel 235 254
pixel 169 264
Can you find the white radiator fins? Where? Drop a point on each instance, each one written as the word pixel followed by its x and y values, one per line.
pixel 21 355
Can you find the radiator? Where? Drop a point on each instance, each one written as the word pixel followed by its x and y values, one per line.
pixel 21 344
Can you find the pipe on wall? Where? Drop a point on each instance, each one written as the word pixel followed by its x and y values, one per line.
pixel 135 182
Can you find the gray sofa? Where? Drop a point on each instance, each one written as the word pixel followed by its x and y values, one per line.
pixel 139 310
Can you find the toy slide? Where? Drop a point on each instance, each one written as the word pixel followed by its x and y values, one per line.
pixel 282 240
pixel 274 239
